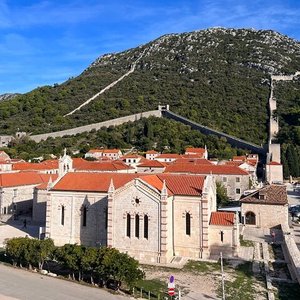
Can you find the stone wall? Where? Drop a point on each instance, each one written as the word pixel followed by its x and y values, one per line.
pixel 96 126
pixel 18 199
pixel 292 250
pixel 267 216
pixel 73 231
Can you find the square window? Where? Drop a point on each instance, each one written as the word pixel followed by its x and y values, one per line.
pixel 237 191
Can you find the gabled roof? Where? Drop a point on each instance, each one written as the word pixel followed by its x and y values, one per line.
pixel 91 182
pixel 148 163
pixel 152 152
pixel 99 182
pixel 107 165
pixel 22 178
pixel 222 218
pixel 205 169
pixel 270 194
pixel 191 159
pixel 44 165
pixel 195 150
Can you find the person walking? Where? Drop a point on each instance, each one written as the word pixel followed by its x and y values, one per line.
pixel 25 223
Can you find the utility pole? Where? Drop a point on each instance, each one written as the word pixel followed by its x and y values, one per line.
pixel 222 272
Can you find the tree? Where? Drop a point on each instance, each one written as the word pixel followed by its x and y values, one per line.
pixel 222 198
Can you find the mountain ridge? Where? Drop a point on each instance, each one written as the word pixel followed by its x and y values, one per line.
pixel 218 77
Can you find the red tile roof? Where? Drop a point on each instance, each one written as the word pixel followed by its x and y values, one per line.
pixel 92 182
pixel 22 178
pixel 148 163
pixel 45 165
pixel 195 150
pixel 99 182
pixel 107 165
pixel 192 160
pixel 111 150
pixel 152 152
pixel 222 218
pixel 205 169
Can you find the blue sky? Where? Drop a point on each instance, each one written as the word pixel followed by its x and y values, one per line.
pixel 46 42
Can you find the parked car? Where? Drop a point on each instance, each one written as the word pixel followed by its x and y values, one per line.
pixel 113 284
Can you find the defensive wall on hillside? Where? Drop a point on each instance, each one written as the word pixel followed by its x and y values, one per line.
pixel 236 142
pixel 96 126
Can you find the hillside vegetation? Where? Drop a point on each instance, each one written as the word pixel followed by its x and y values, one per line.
pixel 218 77
pixel 162 134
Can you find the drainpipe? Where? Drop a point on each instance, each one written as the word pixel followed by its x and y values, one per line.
pixel 159 231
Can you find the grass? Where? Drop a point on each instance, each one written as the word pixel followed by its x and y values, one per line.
pixel 201 266
pixel 155 286
pixel 241 283
pixel 245 243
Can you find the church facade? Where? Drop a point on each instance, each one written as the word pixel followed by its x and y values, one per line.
pixel 151 217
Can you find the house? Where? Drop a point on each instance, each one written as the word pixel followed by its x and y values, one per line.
pixel 224 234
pixel 167 157
pixel 200 152
pixel 151 217
pixel 151 154
pixel 266 207
pixel 234 179
pixel 150 166
pixel 104 153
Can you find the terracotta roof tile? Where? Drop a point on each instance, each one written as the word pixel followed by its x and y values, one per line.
pixel 222 218
pixel 152 152
pixel 195 150
pixel 147 163
pixel 205 169
pixel 22 178
pixel 99 182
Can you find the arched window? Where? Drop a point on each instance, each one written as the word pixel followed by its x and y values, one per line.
pixel 128 225
pixel 188 224
pixel 62 219
pixel 250 218
pixel 137 226
pixel 84 214
pixel 146 226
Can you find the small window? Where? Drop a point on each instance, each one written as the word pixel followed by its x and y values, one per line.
pixel 261 196
pixel 137 226
pixel 146 226
pixel 188 224
pixel 62 220
pixel 128 225
pixel 237 179
pixel 224 179
pixel 15 192
pixel 237 191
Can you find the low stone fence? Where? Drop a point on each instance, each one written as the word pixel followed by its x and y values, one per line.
pixel 292 250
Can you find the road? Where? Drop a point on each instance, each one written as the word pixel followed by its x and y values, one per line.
pixel 24 285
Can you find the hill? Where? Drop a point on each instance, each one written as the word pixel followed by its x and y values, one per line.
pixel 218 77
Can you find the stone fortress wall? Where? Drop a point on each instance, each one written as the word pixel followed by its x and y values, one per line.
pixel 96 126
